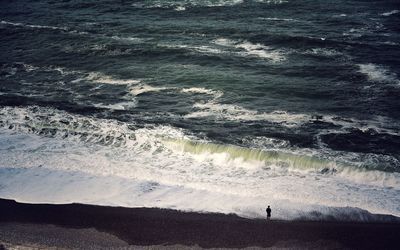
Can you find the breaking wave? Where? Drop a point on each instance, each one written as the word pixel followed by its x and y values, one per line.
pixel 165 162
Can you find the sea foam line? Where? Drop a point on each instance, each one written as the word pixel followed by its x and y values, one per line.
pixel 35 26
pixel 389 13
pixel 183 5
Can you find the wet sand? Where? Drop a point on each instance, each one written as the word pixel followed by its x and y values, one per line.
pixel 121 227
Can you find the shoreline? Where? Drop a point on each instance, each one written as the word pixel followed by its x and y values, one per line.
pixel 153 226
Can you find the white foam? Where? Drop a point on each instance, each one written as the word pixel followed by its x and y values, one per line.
pixel 216 94
pixel 324 52
pixel 237 113
pixel 144 88
pixel 233 48
pixel 209 3
pixel 261 51
pixel 135 87
pixel 180 8
pixel 278 19
pixel 102 78
pixel 378 73
pixel 35 26
pixel 201 49
pixel 340 15
pixel 272 1
pixel 183 5
pixel 62 157
pixel 129 39
pixel 95 77
pixel 118 106
pixel 74 186
pixel 389 13
pixel 213 108
pixel 251 49
pixel 29 67
pixel 380 124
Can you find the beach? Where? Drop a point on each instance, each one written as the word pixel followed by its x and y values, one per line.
pixel 77 225
pixel 175 123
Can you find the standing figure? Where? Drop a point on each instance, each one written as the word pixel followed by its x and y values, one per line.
pixel 268 213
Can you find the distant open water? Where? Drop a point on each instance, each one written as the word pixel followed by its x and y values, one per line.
pixel 208 105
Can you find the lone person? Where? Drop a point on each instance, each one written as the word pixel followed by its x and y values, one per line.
pixel 268 210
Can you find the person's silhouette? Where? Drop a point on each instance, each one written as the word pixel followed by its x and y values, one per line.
pixel 268 210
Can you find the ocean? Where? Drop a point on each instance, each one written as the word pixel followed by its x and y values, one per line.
pixel 210 105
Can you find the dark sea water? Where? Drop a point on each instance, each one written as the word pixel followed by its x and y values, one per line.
pixel 208 105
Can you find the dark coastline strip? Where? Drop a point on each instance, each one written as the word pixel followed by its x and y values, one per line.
pixel 152 226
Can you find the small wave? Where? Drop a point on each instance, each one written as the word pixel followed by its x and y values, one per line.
pixel 251 49
pixel 129 39
pixel 278 19
pixel 76 76
pixel 96 77
pixel 102 78
pixel 118 106
pixel 201 49
pixel 234 48
pixel 183 5
pixel 324 52
pixel 356 32
pixel 377 73
pixel 214 93
pixel 379 124
pixel 389 13
pixel 340 15
pixel 180 8
pixel 34 26
pixel 106 50
pixel 21 66
pixel 219 111
pixel 233 112
pixel 63 125
pixel 144 88
pixel 237 113
pixel 272 1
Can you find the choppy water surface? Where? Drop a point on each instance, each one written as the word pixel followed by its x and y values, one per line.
pixel 209 105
